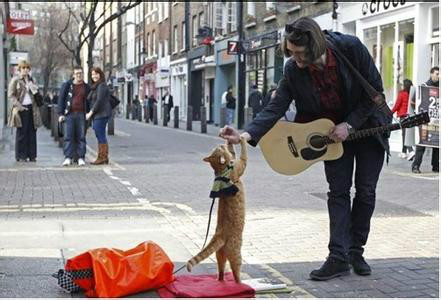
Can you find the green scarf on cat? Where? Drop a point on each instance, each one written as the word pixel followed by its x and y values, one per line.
pixel 222 185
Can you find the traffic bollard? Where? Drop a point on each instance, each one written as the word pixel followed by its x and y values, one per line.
pixel 155 115
pixel 176 119
pixel 203 119
pixel 111 124
pixel 223 117
pixel 189 117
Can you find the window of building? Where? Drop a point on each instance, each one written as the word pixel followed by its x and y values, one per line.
pixel 270 5
pixel 201 20
pixel 194 30
pixel 251 8
pixel 231 14
pixel 435 21
pixel 166 8
pixel 160 11
pixel 154 43
pixel 148 46
pixel 183 36
pixel 175 39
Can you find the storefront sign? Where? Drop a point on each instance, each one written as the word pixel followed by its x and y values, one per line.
pixel 429 133
pixel 20 22
pixel 376 6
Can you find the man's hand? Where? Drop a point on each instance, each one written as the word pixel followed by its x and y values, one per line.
pixel 89 115
pixel 230 134
pixel 339 133
pixel 61 119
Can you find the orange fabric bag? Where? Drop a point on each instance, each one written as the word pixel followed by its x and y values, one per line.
pixel 118 273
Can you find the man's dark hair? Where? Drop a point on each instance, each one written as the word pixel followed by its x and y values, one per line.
pixel 230 87
pixel 434 69
pixel 305 32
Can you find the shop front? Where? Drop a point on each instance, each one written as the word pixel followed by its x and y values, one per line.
pixel 178 85
pixel 401 36
pixel 225 77
pixel 264 61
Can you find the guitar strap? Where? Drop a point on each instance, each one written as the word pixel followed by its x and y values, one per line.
pixel 375 96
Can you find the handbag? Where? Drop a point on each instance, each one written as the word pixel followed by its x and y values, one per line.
pixel 60 129
pixel 114 102
pixel 38 99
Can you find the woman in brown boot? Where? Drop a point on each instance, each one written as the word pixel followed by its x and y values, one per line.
pixel 100 113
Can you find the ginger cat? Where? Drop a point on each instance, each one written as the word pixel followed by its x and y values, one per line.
pixel 227 240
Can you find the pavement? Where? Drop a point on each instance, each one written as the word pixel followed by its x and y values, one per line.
pixel 156 188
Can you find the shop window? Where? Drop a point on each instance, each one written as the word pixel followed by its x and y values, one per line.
pixel 405 48
pixel 435 21
pixel 435 55
pixel 370 41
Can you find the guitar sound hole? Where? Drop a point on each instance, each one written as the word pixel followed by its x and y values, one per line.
pixel 317 142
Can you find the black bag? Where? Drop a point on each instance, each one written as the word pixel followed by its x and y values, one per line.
pixel 38 99
pixel 114 102
pixel 60 129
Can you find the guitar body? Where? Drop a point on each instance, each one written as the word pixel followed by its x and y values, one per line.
pixel 290 148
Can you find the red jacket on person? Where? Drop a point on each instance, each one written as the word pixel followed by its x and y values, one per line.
pixel 400 106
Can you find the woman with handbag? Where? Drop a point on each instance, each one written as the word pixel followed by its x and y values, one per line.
pixel 100 113
pixel 25 113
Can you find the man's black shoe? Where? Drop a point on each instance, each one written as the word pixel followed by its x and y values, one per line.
pixel 331 268
pixel 416 170
pixel 359 265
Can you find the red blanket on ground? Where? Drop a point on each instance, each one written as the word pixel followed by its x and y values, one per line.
pixel 205 286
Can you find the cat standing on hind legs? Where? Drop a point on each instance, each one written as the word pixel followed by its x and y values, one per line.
pixel 227 239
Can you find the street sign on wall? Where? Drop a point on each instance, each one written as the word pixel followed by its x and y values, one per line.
pixel 20 22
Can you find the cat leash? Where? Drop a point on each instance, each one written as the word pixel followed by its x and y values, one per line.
pixel 206 235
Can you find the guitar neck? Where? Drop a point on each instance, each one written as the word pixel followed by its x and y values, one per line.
pixel 368 132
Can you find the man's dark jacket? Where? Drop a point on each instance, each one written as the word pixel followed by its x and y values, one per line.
pixel 64 97
pixel 296 84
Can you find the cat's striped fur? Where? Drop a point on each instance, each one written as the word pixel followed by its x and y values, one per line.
pixel 227 240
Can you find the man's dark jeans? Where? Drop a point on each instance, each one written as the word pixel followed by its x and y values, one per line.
pixel 349 228
pixel 75 135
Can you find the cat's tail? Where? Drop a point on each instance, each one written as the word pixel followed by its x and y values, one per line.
pixel 215 244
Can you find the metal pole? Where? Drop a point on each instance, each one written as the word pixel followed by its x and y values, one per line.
pixel 240 63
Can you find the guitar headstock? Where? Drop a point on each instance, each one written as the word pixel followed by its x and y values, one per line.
pixel 415 120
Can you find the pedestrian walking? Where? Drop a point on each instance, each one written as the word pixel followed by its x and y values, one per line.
pixel 72 108
pixel 151 102
pixel 167 100
pixel 419 152
pixel 230 105
pixel 400 107
pixel 316 77
pixel 25 113
pixel 255 100
pixel 100 113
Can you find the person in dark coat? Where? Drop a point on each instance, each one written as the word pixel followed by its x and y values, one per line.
pixel 151 102
pixel 324 87
pixel 167 100
pixel 269 95
pixel 100 112
pixel 72 108
pixel 255 100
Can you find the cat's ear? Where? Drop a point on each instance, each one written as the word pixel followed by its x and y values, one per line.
pixel 206 159
pixel 222 159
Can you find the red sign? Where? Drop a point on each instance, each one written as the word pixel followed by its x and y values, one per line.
pixel 20 26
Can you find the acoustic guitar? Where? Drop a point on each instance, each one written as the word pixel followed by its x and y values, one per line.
pixel 290 148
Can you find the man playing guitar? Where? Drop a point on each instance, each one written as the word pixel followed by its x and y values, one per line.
pixel 324 87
